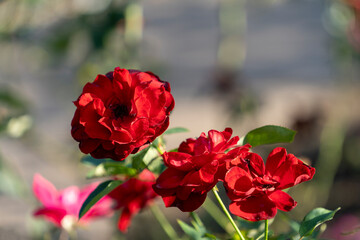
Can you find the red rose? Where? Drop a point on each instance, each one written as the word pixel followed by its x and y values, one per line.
pixel 120 112
pixel 193 170
pixel 255 189
pixel 132 196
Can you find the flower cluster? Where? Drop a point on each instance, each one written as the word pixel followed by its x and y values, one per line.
pixel 253 188
pixel 193 170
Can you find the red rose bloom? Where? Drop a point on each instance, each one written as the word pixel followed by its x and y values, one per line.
pixel 132 196
pixel 120 112
pixel 255 189
pixel 193 170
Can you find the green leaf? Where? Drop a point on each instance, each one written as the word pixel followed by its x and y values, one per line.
pixel 197 231
pixel 209 236
pixel 315 218
pixel 175 130
pixel 268 135
pixel 191 232
pixel 111 168
pixel 147 158
pixel 101 190
pixel 93 161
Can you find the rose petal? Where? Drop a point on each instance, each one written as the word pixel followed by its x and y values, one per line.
pixel 208 171
pixel 170 178
pixel 254 208
pixel 194 201
pixel 282 200
pixel 255 164
pixel 292 172
pixel 239 180
pixel 275 159
pixel 178 160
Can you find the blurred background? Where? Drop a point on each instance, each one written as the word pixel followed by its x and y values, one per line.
pixel 230 63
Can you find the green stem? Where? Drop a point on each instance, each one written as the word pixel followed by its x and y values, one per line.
pixel 213 210
pixel 266 230
pixel 168 229
pixel 196 218
pixel 227 213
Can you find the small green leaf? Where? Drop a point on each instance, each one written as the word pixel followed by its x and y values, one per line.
pixel 197 231
pixel 93 161
pixel 111 168
pixel 146 158
pixel 315 218
pixel 209 236
pixel 101 190
pixel 175 130
pixel 268 135
pixel 190 231
pixel 137 159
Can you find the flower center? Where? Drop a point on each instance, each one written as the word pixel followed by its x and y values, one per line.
pixel 120 110
pixel 267 186
pixel 264 184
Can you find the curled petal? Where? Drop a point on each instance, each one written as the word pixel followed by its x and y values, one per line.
pixel 208 171
pixel 170 178
pixel 282 200
pixel 88 145
pixel 238 182
pixel 255 164
pixel 178 160
pixel 292 172
pixel 187 146
pixel 169 200
pixel 96 88
pixel 193 202
pixel 275 159
pixel 217 139
pixel 254 208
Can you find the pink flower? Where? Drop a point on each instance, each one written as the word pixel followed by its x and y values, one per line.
pixel 62 207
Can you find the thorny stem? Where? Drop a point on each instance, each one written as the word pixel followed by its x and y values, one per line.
pixel 227 213
pixel 266 229
pixel 168 229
